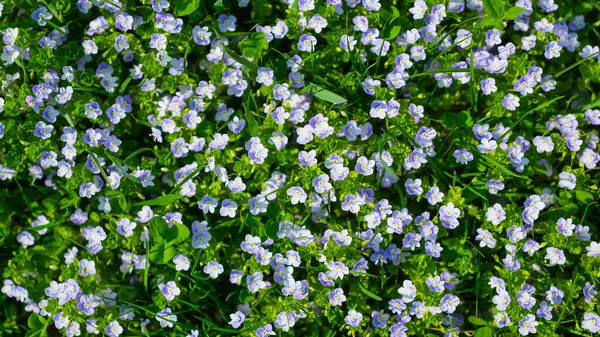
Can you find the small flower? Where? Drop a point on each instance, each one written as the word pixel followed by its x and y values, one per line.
pixel 555 256
pixel 567 180
pixel 511 102
pixel 591 322
pixel 527 325
pixel 237 319
pixel 463 156
pixel 113 329
pixel 213 269
pixel 181 262
pixel 353 318
pixel 169 290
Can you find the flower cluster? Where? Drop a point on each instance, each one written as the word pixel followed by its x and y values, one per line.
pixel 311 167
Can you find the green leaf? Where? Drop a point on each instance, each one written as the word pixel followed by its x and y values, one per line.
pixel 254 46
pixel 392 29
pixel 538 107
pixel 326 95
pixel 591 105
pixel 36 321
pixel 126 83
pixel 124 203
pixel 390 14
pixel 38 325
pixel 491 22
pixel 163 234
pixel 368 293
pixel 162 254
pixel 241 60
pixel 218 6
pixel 163 200
pixel 138 151
pixel 457 120
pixel 483 332
pixel 39 228
pixel 494 164
pixel 246 296
pixel 477 321
pixel 185 7
pixel 493 8
pixel 584 197
pixel 513 13
pixel 253 126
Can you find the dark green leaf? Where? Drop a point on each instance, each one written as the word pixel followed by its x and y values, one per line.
pixel 241 60
pixel 246 296
pixel 252 123
pixel 138 151
pixel 163 234
pixel 368 293
pixel 218 6
pixel 392 29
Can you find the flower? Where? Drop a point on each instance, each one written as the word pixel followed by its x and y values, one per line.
pixel 528 325
pixel 236 319
pixel 213 269
pixel 181 262
pixel 495 214
pixel 591 322
pixel 336 297
pixel 113 329
pixel 169 290
pixel 353 318
pixel 555 256
pixel 567 180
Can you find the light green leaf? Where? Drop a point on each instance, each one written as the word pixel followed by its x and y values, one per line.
pixel 584 197
pixel 38 325
pixel 477 321
pixel 185 7
pixel 489 21
pixel 162 254
pixel 483 332
pixel 513 13
pixel 36 321
pixel 254 46
pixel 163 200
pixel 39 228
pixel 326 95
pixel 493 8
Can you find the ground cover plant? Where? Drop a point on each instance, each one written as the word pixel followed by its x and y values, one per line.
pixel 299 168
